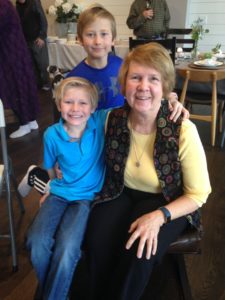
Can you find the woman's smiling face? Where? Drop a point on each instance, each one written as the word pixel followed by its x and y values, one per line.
pixel 144 90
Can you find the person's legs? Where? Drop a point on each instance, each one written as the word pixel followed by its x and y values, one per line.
pixel 41 60
pixel 107 227
pixel 132 274
pixel 40 237
pixel 67 250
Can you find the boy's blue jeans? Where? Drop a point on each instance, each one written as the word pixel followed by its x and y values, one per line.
pixel 54 240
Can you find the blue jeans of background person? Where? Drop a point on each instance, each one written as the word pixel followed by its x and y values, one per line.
pixel 54 240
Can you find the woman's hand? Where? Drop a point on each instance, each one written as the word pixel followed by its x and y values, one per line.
pixel 177 108
pixel 146 229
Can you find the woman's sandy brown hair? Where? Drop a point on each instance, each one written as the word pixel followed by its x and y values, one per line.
pixel 76 82
pixel 151 55
pixel 92 13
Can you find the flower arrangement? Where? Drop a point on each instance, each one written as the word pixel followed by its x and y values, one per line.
pixel 198 31
pixel 65 11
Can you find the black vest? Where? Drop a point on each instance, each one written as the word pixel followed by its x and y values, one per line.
pixel 166 159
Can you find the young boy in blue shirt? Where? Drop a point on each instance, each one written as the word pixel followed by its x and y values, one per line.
pixel 96 30
pixel 76 143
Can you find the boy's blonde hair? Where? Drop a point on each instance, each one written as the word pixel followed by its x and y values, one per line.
pixel 151 55
pixel 92 13
pixel 76 82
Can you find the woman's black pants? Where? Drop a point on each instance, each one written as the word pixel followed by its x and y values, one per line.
pixel 117 273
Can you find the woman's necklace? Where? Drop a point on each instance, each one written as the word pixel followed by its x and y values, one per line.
pixel 138 159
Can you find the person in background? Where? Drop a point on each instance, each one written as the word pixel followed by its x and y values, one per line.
pixel 156 179
pixel 149 19
pixel 76 143
pixel 34 24
pixel 18 90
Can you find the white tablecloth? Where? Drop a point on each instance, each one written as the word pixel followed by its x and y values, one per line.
pixel 67 56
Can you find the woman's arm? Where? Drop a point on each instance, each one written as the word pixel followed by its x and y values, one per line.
pixel 147 227
pixel 196 187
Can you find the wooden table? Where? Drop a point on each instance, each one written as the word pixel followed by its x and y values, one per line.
pixel 196 87
pixel 208 88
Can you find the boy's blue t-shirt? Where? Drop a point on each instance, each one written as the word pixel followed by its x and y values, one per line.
pixel 106 81
pixel 82 163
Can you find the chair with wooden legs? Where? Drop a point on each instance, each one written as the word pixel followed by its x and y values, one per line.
pixel 187 98
pixel 7 179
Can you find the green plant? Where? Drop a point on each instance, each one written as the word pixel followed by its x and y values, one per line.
pixel 216 49
pixel 198 30
pixel 208 55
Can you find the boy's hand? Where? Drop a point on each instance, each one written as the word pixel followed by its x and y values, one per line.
pixel 177 108
pixel 58 172
pixel 43 198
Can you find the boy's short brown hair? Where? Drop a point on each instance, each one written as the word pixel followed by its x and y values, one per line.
pixel 76 82
pixel 92 13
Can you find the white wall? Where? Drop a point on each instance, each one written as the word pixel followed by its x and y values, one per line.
pixel 183 13
pixel 213 12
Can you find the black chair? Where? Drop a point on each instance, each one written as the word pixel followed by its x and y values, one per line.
pixel 189 243
pixel 178 31
pixel 187 43
pixel 169 44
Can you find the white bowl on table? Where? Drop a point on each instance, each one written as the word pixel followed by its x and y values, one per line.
pixel 61 41
pixel 52 39
pixel 220 56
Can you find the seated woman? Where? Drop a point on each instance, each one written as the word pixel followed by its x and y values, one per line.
pixel 156 179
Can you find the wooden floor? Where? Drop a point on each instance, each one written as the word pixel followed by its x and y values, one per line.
pixel 206 271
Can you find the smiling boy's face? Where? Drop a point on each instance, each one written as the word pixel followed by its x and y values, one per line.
pixel 76 107
pixel 97 38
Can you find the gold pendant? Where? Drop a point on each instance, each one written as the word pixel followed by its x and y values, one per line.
pixel 137 164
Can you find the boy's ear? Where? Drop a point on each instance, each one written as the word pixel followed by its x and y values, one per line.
pixel 80 41
pixel 58 107
pixel 113 42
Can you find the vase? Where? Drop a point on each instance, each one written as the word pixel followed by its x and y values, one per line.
pixel 195 51
pixel 61 29
pixel 72 28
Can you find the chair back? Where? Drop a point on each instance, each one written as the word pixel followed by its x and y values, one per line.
pixel 178 31
pixel 186 44
pixel 169 44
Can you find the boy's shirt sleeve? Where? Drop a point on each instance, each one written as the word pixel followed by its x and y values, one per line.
pixel 49 151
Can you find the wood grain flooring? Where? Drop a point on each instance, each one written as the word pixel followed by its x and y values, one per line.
pixel 206 271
